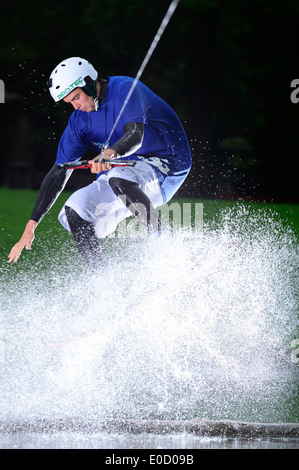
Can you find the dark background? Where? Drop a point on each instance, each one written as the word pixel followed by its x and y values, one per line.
pixel 226 68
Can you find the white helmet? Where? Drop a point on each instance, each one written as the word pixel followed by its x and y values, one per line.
pixel 70 74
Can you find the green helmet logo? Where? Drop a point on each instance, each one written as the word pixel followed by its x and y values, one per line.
pixel 70 88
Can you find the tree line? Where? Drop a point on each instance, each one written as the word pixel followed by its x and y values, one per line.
pixel 226 67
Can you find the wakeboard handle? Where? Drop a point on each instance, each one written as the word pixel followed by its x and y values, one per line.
pixel 83 164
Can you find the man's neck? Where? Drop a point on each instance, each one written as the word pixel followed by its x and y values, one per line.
pixel 101 92
pixel 98 88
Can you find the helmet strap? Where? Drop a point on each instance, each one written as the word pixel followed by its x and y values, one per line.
pixel 90 87
pixel 91 90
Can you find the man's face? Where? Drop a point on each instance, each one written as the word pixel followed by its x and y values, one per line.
pixel 80 100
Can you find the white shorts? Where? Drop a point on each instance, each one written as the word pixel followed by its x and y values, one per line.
pixel 98 204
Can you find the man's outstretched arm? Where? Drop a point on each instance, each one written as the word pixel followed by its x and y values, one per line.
pixel 50 189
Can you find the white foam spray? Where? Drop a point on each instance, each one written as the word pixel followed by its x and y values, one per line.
pixel 188 325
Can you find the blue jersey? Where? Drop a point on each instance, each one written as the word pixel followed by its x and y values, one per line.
pixel 164 146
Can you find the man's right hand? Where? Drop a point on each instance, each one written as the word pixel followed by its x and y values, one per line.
pixel 25 242
pixel 97 166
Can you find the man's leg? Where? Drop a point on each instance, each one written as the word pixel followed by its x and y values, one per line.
pixel 137 202
pixel 91 213
pixel 85 238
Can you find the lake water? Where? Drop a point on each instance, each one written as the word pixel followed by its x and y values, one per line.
pixel 67 440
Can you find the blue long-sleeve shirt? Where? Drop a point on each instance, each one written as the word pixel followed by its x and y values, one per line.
pixel 164 145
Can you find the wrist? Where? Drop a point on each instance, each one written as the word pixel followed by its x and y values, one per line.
pixel 109 153
pixel 32 224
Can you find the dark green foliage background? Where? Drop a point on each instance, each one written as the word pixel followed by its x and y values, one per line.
pixel 226 67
